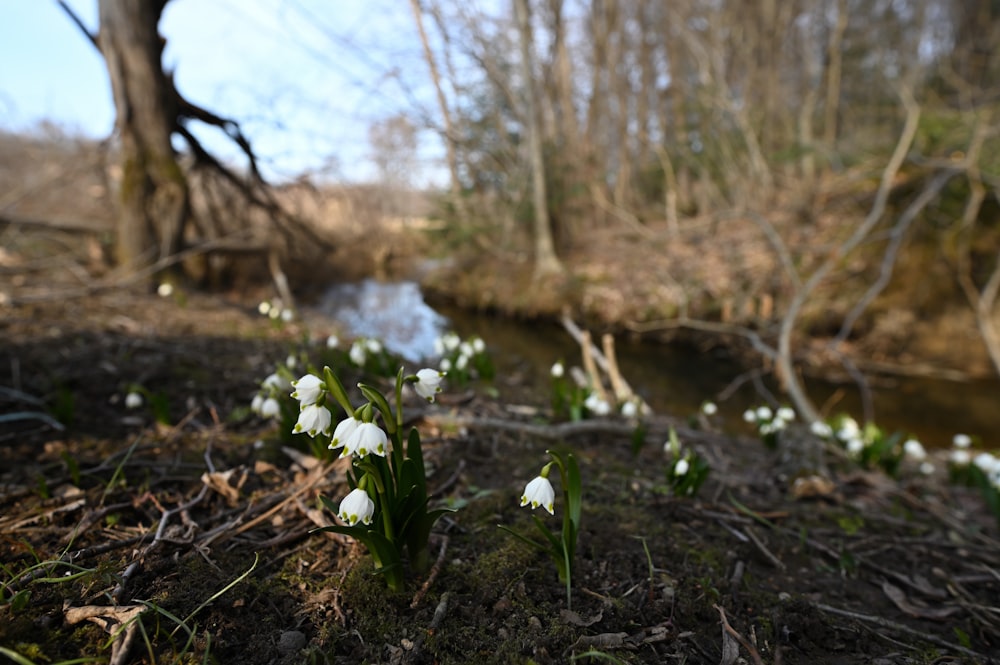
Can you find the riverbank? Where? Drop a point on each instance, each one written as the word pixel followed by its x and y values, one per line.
pixel 865 569
pixel 713 284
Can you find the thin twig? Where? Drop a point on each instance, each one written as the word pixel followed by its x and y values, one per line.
pixel 432 575
pixel 738 637
pixel 900 628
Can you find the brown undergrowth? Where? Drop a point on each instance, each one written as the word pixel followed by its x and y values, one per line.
pixel 192 538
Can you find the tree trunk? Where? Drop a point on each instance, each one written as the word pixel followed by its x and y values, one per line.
pixel 154 203
pixel 455 184
pixel 546 261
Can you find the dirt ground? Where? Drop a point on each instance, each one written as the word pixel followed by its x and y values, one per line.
pixel 196 516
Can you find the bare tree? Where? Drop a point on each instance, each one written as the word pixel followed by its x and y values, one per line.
pixel 154 202
pixel 546 261
pixel 154 199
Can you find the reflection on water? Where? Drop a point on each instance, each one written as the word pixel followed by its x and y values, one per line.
pixel 673 379
pixel 394 313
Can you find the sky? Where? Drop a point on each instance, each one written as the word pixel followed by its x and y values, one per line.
pixel 305 78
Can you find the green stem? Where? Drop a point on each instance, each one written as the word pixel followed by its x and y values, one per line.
pixel 383 500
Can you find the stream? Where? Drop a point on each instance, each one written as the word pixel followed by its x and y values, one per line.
pixel 672 378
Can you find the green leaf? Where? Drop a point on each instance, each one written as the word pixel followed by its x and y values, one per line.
pixel 378 399
pixel 336 388
pixel 384 553
pixel 20 600
pixel 525 539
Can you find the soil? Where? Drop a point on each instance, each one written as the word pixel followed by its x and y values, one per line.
pixel 200 515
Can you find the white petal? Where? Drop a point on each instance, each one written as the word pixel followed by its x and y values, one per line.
pixel 539 492
pixel 357 507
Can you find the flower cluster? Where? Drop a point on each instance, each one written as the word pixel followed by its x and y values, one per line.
pixel 370 355
pixel 769 422
pixel 275 310
pixel 597 405
pixel 871 447
pixel 386 509
pixel 463 359
pixel 266 402
pixel 982 470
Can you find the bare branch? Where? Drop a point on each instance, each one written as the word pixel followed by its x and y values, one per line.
pixel 91 37
pixel 784 358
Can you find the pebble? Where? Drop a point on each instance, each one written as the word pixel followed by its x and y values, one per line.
pixel 291 641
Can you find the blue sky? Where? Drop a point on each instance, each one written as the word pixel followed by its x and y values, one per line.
pixel 305 78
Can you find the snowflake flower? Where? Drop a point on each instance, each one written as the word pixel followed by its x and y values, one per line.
pixel 357 507
pixel 539 492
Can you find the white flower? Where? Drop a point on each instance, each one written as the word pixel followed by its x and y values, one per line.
pixel 821 429
pixel 256 403
pixel 332 342
pixel 428 383
pixel 270 408
pixel 709 408
pixel 764 413
pixel 451 341
pixel 478 345
pixel 961 457
pixel 264 307
pixel 682 466
pixel 165 289
pixel 133 400
pixel 750 416
pixel 629 409
pixel 926 468
pixel 357 507
pixel 438 346
pixel 557 370
pixel 287 315
pixel 358 354
pixel 539 492
pixel 276 382
pixel 291 361
pixel 274 312
pixel 461 362
pixel 855 446
pixel 374 346
pixel 786 413
pixel 313 419
pixel 962 441
pixel 308 389
pixel 596 405
pixel 445 365
pixel 345 428
pixel 848 429
pixel 986 462
pixel 914 450
pixel 366 438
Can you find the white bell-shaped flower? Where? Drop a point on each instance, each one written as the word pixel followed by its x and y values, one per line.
pixel 367 438
pixel 357 507
pixel 308 389
pixel 539 492
pixel 270 408
pixel 344 430
pixel 313 419
pixel 428 383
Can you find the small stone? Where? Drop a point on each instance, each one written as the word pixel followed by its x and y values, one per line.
pixel 784 596
pixel 291 641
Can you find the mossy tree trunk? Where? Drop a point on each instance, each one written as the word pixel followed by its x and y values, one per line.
pixel 153 201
